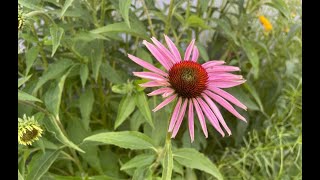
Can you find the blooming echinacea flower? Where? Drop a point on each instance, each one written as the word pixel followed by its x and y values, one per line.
pixel 192 84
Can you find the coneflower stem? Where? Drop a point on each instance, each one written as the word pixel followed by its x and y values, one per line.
pixel 168 23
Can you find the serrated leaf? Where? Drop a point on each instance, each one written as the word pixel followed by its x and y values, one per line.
pixel 66 5
pixel 85 104
pixel 41 164
pixel 84 73
pixel 143 106
pixel 120 27
pixel 53 127
pixel 54 70
pixel 52 98
pixel 23 96
pixel 124 139
pixel 126 107
pixel 23 80
pixel 31 56
pixel 138 161
pixel 167 163
pixel 56 35
pixel 252 56
pixel 193 159
pixel 124 7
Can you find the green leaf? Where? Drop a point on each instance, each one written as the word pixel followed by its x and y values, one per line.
pixel 203 52
pixel 54 70
pixel 65 7
pixel 20 177
pixel 167 162
pixel 193 159
pixel 226 29
pixel 124 7
pixel 142 54
pixel 143 106
pixel 53 127
pixel 253 56
pixel 40 165
pixel 195 21
pixel 138 161
pixel 52 98
pixel 23 80
pixel 120 27
pixel 34 5
pixel 96 58
pixel 142 172
pixel 111 74
pixel 126 107
pixel 23 96
pixel 281 6
pixel 254 93
pixel 56 35
pixel 124 139
pixel 85 104
pixel 84 73
pixel 31 56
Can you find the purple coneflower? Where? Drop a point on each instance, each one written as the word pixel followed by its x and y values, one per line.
pixel 194 85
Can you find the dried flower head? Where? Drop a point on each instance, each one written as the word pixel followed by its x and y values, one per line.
pixel 29 130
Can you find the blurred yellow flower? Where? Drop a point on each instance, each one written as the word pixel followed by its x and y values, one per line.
pixel 266 23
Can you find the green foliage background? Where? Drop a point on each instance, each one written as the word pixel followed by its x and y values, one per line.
pixel 75 78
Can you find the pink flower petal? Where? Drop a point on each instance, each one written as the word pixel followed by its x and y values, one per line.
pixel 216 111
pixel 227 96
pixel 201 117
pixel 212 118
pixel 190 121
pixel 154 84
pixel 147 65
pixel 159 91
pixel 150 75
pixel 195 54
pixel 154 51
pixel 222 68
pixel 224 76
pixel 226 84
pixel 189 50
pixel 165 102
pixel 180 118
pixel 168 93
pixel 175 114
pixel 225 104
pixel 212 63
pixel 164 51
pixel 174 50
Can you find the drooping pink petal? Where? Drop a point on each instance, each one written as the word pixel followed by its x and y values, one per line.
pixel 212 118
pixel 147 65
pixel 180 118
pixel 216 111
pixel 222 68
pixel 189 50
pixel 226 84
pixel 190 121
pixel 227 96
pixel 150 75
pixel 175 115
pixel 154 51
pixel 212 63
pixel 224 76
pixel 195 54
pixel 164 50
pixel 154 84
pixel 174 50
pixel 160 91
pixel 201 117
pixel 168 93
pixel 225 104
pixel 165 102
